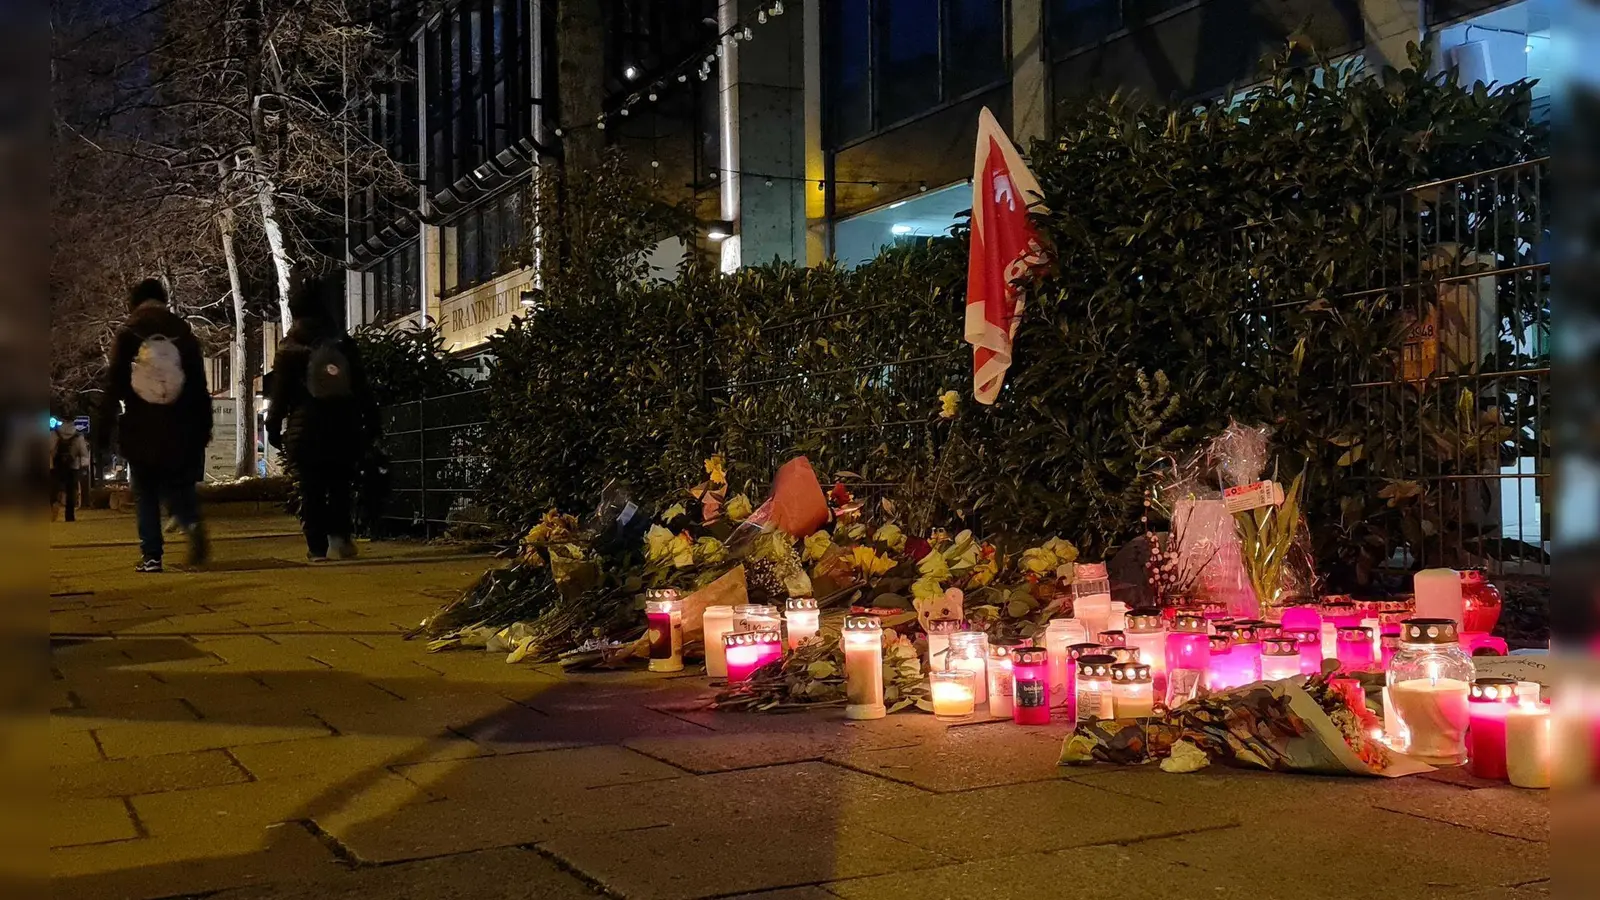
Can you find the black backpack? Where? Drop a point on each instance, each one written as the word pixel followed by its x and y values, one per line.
pixel 328 372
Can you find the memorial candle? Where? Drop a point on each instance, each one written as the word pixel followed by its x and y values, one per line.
pixel 1075 653
pixel 1147 632
pixel 1247 649
pixel 1337 612
pixel 862 637
pixel 1301 617
pixel 1112 638
pixel 1188 654
pixel 1091 597
pixel 1094 687
pixel 1438 593
pixel 748 651
pixel 1488 704
pixel 1355 650
pixel 939 631
pixel 952 692
pixel 1280 658
pixel 1310 643
pixel 801 620
pixel 756 617
pixel 1388 644
pixel 1429 680
pixel 1528 744
pixel 1118 620
pixel 969 651
pixel 1132 690
pixel 1059 634
pixel 663 613
pixel 1229 666
pixel 1000 670
pixel 715 622
pixel 1030 686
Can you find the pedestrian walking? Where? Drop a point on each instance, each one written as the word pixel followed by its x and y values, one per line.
pixel 156 393
pixel 69 459
pixel 322 416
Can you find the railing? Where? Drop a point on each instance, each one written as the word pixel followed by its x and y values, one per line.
pixel 434 462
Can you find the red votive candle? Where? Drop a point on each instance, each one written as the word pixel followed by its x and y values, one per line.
pixel 1030 686
pixel 748 651
pixel 1488 703
pixel 1355 649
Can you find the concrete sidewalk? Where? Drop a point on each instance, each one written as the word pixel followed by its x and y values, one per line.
pixel 260 729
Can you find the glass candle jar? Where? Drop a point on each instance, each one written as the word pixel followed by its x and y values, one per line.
pixel 756 617
pixel 1388 645
pixel 969 651
pixel 1094 687
pixel 1489 701
pixel 1280 658
pixel 801 620
pixel 1000 674
pixel 1337 612
pixel 1030 686
pixel 1229 665
pixel 1059 634
pixel 1188 653
pixel 715 622
pixel 1528 744
pixel 862 637
pixel 748 651
pixel 1355 650
pixel 1301 617
pixel 1132 690
pixel 1429 680
pixel 1310 643
pixel 1247 638
pixel 1118 620
pixel 939 631
pixel 1112 638
pixel 1074 653
pixel 663 613
pixel 1147 632
pixel 1091 597
pixel 952 692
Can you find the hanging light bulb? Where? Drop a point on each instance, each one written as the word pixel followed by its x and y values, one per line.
pixel 559 132
pixel 719 51
pixel 769 182
pixel 682 77
pixel 761 17
pixel 601 124
pixel 655 163
pixel 922 187
pixel 624 110
pixel 777 7
pixel 713 174
pixel 821 186
pixel 748 34
pixel 652 96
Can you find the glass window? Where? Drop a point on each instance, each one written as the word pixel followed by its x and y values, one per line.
pixel 1078 23
pixel 489 240
pixel 511 229
pixel 467 231
pixel 907 58
pixel 849 25
pixel 449 275
pixel 859 238
pixel 974 45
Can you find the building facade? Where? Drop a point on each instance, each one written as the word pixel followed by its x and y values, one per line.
pixel 808 130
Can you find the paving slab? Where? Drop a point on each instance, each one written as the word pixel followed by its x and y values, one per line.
pixel 98 821
pixel 717 857
pixel 122 741
pixel 1091 873
pixel 518 729
pixel 967 757
pixel 503 874
pixel 258 805
pixel 337 757
pixel 810 791
pixel 554 772
pixel 90 718
pixel 1512 812
pixel 73 746
pixel 145 775
pixel 749 741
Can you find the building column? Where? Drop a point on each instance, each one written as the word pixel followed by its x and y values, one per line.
pixel 1390 25
pixel 816 202
pixel 1030 73
pixel 766 102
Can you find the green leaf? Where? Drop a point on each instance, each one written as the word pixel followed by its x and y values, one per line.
pixel 821 669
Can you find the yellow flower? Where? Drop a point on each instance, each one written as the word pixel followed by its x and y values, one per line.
pixel 867 561
pixel 1038 561
pixel 983 574
pixel 949 402
pixel 1064 551
pixel 682 552
pixel 890 536
pixel 657 543
pixel 933 566
pixel 739 508
pixel 963 552
pixel 927 588
pixel 709 550
pixel 817 545
pixel 855 531
pixel 717 470
pixel 673 511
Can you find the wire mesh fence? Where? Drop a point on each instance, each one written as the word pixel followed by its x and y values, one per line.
pixel 435 462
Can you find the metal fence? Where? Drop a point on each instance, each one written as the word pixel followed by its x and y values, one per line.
pixel 434 462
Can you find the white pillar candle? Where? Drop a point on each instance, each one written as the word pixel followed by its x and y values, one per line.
pixel 969 651
pixel 801 619
pixel 1117 619
pixel 1434 711
pixel 1330 641
pixel 1439 595
pixel 1528 745
pixel 999 676
pixel 1059 634
pixel 863 667
pixel 1132 693
pixel 1394 731
pixel 716 622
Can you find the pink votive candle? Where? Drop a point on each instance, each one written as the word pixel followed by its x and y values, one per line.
pixel 1301 617
pixel 1030 686
pixel 1310 643
pixel 1188 654
pixel 1355 649
pixel 748 651
pixel 1488 703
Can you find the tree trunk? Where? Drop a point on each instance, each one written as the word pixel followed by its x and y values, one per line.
pixel 244 417
pixel 282 265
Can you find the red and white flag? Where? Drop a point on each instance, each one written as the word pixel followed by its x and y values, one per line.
pixel 1004 247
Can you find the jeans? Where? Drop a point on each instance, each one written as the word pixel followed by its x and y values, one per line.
pixel 150 487
pixel 325 499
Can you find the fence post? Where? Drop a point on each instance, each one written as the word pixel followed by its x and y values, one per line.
pixel 422 469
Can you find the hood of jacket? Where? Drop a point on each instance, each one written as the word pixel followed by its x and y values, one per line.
pixel 157 318
pixel 312 330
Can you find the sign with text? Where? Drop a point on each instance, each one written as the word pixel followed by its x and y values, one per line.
pixel 468 318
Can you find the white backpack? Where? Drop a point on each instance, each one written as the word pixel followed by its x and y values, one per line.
pixel 158 371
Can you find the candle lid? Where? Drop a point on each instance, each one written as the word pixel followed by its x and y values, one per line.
pixel 661 594
pixel 944 626
pixel 748 638
pixel 1493 690
pixel 1356 633
pixel 1191 621
pixel 1145 619
pixel 863 623
pixel 1130 672
pixel 1028 656
pixel 1280 646
pixel 1244 632
pixel 1096 665
pixel 1091 572
pixel 1113 638
pixel 718 611
pixel 1074 651
pixel 1220 643
pixel 800 604
pixel 1429 631
pixel 1303 635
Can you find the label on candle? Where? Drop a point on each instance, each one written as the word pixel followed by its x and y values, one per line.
pixel 661 636
pixel 1030 694
pixel 1246 497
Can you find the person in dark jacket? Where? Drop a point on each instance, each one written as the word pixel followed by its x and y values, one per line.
pixel 322 415
pixel 156 393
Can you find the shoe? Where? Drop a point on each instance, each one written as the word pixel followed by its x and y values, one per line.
pixel 342 547
pixel 148 565
pixel 199 545
pixel 314 558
